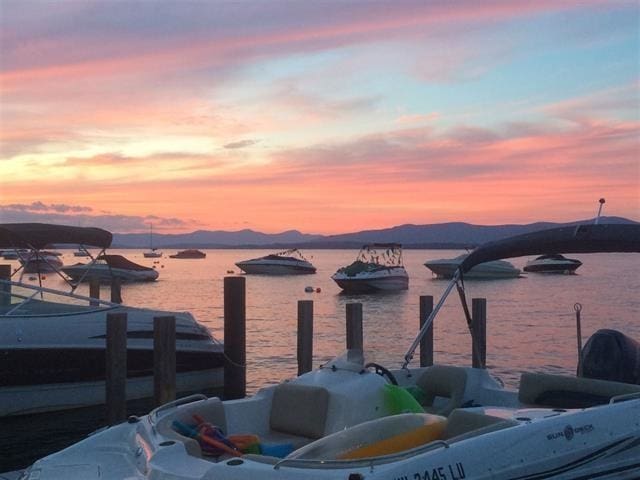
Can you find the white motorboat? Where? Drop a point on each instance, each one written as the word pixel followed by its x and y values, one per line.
pixel 106 267
pixel 552 263
pixel 288 262
pixel 40 261
pixel 53 342
pixel 152 252
pixel 446 268
pixel 378 267
pixel 353 420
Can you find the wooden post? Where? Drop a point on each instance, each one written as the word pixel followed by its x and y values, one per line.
pixel 164 359
pixel 305 336
pixel 354 326
pixel 116 368
pixel 116 290
pixel 94 290
pixel 5 288
pixel 235 319
pixel 479 322
pixel 426 344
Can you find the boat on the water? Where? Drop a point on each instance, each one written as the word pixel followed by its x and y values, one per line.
pixel 355 420
pixel 189 253
pixel 106 267
pixel 40 261
pixel 378 267
pixel 53 341
pixel 446 268
pixel 552 263
pixel 288 262
pixel 152 252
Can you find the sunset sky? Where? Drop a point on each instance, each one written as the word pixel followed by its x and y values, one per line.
pixel 321 116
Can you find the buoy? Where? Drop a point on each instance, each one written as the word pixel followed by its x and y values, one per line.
pixel 32 278
pixel 318 290
pixel 229 271
pixel 308 289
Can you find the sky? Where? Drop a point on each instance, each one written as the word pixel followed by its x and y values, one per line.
pixel 325 116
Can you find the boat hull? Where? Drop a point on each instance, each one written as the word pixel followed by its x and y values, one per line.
pixel 275 268
pixel 53 361
pixel 372 283
pixel 489 270
pixel 567 268
pixel 105 274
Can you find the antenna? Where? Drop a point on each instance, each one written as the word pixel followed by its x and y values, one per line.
pixel 599 210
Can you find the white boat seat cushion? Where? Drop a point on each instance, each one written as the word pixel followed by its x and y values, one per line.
pixel 299 410
pixel 443 381
pixel 565 391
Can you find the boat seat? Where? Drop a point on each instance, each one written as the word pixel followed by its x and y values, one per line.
pixel 442 381
pixel 462 424
pixel 212 411
pixel 298 414
pixel 565 391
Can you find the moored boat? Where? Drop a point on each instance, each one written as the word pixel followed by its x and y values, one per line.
pixel 378 267
pixel 53 346
pixel 552 263
pixel 189 253
pixel 446 268
pixel 288 262
pixel 106 267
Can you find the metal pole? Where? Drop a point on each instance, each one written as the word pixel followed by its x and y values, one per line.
pixel 409 355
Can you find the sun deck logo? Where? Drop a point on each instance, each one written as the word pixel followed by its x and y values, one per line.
pixel 569 432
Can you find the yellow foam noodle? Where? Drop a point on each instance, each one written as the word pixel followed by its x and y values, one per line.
pixel 398 443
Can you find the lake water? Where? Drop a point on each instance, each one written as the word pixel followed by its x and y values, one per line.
pixel 530 321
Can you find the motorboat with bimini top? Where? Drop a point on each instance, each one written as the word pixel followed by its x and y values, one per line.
pixel 446 268
pixel 106 267
pixel 189 253
pixel 53 342
pixel 378 267
pixel 288 262
pixel 552 263
pixel 355 420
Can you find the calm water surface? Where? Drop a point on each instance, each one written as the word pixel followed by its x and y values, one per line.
pixel 530 322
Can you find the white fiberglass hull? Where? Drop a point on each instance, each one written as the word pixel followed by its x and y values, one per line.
pixel 53 355
pixel 105 274
pixel 384 279
pixel 489 270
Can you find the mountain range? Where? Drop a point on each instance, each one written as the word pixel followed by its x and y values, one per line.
pixel 441 235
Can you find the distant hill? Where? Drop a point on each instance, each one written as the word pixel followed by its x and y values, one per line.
pixel 441 235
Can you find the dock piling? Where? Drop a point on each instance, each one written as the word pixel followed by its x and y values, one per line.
pixel 5 288
pixel 235 349
pixel 94 291
pixel 305 336
pixel 116 290
pixel 354 326
pixel 426 343
pixel 479 332
pixel 164 359
pixel 116 368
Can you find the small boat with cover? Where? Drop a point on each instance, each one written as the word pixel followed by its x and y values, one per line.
pixel 552 263
pixel 106 267
pixel 355 420
pixel 53 341
pixel 446 268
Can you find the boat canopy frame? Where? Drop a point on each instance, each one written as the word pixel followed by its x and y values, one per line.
pixel 584 238
pixel 36 236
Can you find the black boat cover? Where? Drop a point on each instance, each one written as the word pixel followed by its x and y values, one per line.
pixel 577 239
pixel 39 235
